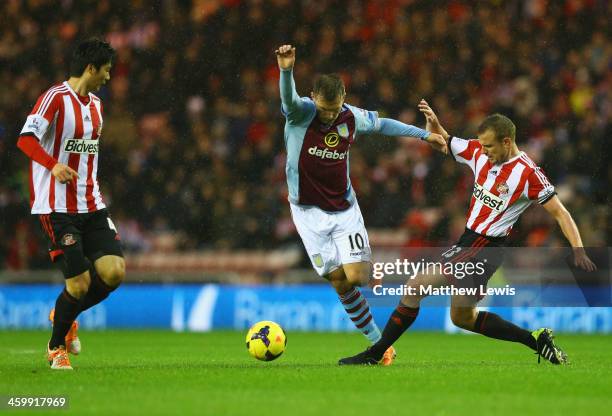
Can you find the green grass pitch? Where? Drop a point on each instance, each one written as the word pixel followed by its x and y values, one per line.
pixel 161 373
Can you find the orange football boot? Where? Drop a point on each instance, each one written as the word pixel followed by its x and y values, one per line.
pixel 58 358
pixel 389 356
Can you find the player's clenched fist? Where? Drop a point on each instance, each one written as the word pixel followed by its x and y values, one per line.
pixel 285 55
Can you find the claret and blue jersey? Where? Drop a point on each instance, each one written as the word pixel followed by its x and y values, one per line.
pixel 318 154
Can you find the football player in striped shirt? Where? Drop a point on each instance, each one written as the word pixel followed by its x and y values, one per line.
pixel 506 182
pixel 61 137
pixel 319 131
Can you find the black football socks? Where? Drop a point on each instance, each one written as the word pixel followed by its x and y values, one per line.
pixel 401 319
pixel 493 326
pixel 98 291
pixel 67 308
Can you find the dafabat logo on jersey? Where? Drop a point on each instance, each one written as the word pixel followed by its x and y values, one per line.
pixel 488 199
pixel 332 139
pixel 89 147
pixel 326 154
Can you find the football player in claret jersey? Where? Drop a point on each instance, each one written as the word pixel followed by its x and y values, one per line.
pixel 61 137
pixel 318 134
pixel 506 182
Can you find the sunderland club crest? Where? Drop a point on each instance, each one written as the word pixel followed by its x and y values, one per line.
pixel 502 189
pixel 68 240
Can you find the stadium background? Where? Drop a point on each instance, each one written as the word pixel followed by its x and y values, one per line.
pixel 192 163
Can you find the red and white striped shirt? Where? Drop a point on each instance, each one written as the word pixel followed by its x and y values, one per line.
pixel 501 191
pixel 68 130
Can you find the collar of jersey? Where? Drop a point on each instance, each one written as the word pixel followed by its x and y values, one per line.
pixel 73 92
pixel 329 126
pixel 510 160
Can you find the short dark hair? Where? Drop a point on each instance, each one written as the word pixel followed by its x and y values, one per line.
pixel 501 125
pixel 329 86
pixel 91 51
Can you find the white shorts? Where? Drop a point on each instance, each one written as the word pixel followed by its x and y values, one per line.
pixel 332 238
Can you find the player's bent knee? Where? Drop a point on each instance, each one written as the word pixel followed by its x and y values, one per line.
pixel 358 279
pixel 114 272
pixel 78 286
pixel 337 283
pixel 337 278
pixel 412 299
pixel 358 276
pixel 342 286
pixel 463 318
pixel 414 291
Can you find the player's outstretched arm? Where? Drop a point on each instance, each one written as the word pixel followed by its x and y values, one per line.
pixel 433 124
pixel 391 127
pixel 291 102
pixel 570 230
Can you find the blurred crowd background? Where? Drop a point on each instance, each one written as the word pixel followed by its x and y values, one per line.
pixel 192 152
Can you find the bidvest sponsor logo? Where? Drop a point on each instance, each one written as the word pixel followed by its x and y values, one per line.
pixel 326 154
pixel 81 146
pixel 488 199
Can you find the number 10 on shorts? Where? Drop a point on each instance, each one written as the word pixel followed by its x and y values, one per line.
pixel 356 241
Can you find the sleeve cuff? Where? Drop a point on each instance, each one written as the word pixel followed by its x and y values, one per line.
pixel 450 147
pixel 548 198
pixel 29 134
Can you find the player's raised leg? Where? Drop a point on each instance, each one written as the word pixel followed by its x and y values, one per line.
pixel 65 234
pixel 104 277
pixel 316 228
pixel 103 248
pixel 352 245
pixel 90 236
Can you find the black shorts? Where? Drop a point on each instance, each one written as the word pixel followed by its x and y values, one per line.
pixel 473 260
pixel 76 241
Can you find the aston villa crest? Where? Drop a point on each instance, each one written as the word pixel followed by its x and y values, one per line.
pixel 343 130
pixel 317 259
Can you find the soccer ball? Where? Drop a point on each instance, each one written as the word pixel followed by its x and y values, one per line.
pixel 266 340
